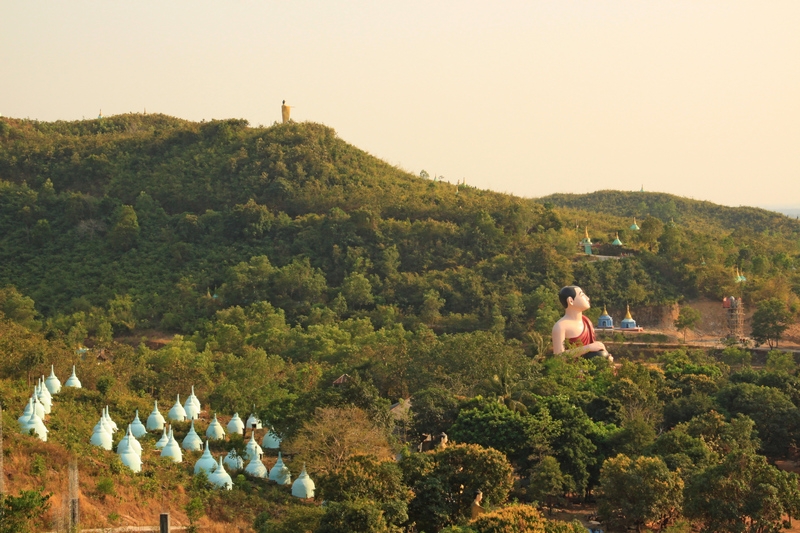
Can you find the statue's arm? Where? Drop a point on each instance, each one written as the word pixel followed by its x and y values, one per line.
pixel 558 338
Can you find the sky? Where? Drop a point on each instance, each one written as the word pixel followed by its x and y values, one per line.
pixel 695 98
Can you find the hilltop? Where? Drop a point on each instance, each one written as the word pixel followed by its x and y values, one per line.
pixel 696 214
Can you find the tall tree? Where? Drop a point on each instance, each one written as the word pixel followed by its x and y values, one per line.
pixel 636 492
pixel 743 494
pixel 687 319
pixel 770 321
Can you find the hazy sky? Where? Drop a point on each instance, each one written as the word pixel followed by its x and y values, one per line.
pixel 696 98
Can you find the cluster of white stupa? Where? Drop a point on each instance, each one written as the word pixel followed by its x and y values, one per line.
pixel 40 403
pixel 130 450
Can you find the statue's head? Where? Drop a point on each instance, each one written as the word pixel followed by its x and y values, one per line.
pixel 573 296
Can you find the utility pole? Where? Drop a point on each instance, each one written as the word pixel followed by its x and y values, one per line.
pixel 2 472
pixel 74 510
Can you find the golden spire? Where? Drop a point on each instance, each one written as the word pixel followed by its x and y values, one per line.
pixel 604 309
pixel 628 314
pixel 586 232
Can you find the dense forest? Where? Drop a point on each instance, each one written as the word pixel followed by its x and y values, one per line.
pixel 275 260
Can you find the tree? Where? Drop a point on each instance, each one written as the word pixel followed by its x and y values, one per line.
pixel 776 417
pixel 357 289
pixel 650 231
pixel 365 478
pixel 297 519
pixel 521 519
pixel 17 307
pixel 360 516
pixel 334 435
pixel 742 494
pixel 17 512
pixel 493 425
pixel 547 482
pixel 434 410
pixel 636 492
pixel 781 362
pixel 687 319
pixel 445 482
pixel 770 320
pixel 125 232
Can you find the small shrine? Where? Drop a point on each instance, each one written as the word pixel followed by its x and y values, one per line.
pixel 192 441
pixel 303 487
pixel 206 463
pixel 220 478
pixel 234 461
pixel 605 321
pixel 172 450
pixel 628 322
pixel 192 406
pixel 634 226
pixel 586 243
pixel 72 380
pixel 280 473
pixel 256 468
pixel 137 428
pixel 177 413
pixel 52 382
pixel 215 430
pixel 156 420
pixel 236 425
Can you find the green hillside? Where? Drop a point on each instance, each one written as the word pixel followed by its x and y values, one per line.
pixel 696 214
pixel 258 265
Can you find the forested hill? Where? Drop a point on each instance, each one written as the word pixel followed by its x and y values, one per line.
pixel 148 221
pixel 694 213
pixel 193 167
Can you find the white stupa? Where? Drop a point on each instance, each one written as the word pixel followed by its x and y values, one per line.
pixel 192 406
pixel 215 430
pixel 101 436
pixel 206 462
pixel 253 420
pixel 303 486
pixel 236 425
pixel 192 441
pixel 279 473
pixel 38 408
pixel 160 443
pixel 128 456
pixel 256 468
pixel 137 428
pixel 44 396
pixel 155 422
pixel 271 441
pixel 253 450
pixel 37 425
pixel 172 450
pixel 26 413
pixel 111 423
pixel 52 382
pixel 177 413
pixel 220 478
pixel 72 380
pixel 234 461
pixel 129 440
